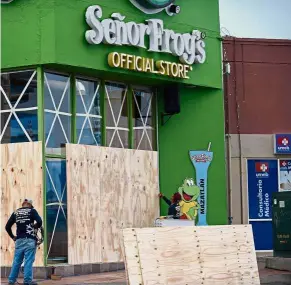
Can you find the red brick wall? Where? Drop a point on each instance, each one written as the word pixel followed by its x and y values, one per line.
pixel 258 90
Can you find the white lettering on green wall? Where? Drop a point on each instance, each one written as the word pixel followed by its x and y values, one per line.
pixel 189 47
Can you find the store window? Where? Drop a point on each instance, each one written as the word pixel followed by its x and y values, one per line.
pixel 56 210
pixel 57 105
pixel 18 107
pixel 88 116
pixel 129 112
pixel 117 129
pixel 143 120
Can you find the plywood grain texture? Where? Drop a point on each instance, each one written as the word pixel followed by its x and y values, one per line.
pixel 108 189
pixel 115 184
pixel 21 177
pixel 212 255
pixel 83 178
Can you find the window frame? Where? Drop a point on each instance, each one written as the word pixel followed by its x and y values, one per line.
pixel 128 109
pixel 72 113
pixel 153 108
pixel 46 172
pixel 40 71
pixel 76 114
pixel 13 110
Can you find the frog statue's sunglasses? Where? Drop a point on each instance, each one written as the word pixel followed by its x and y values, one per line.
pixel 155 3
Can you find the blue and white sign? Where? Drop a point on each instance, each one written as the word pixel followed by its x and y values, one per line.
pixel 285 174
pixel 282 143
pixel 201 161
pixel 262 182
pixel 263 235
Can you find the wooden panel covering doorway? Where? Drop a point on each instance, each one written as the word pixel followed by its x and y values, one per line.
pixel 21 177
pixel 108 189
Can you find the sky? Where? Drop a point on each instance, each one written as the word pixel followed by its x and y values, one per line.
pixel 256 18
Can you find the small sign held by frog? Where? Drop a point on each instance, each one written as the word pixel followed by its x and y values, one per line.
pixel 201 161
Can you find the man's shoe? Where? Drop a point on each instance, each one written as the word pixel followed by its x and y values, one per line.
pixel 32 283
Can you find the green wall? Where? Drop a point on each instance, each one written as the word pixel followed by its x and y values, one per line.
pixel 201 121
pixel 52 33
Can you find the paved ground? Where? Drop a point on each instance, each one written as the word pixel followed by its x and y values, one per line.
pixel 275 277
pixel 111 278
pixel 268 277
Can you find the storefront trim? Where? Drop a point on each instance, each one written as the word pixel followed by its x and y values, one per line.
pixel 40 127
pixel 130 113
pixel 73 109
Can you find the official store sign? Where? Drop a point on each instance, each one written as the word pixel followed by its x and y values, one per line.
pixel 282 143
pixel 188 47
pixel 142 64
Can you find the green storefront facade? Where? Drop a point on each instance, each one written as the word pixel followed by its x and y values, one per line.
pixel 44 48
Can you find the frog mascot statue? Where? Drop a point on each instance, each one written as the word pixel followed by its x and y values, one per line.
pixel 189 192
pixel 156 6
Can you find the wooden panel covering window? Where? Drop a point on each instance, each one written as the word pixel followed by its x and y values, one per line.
pixel 108 189
pixel 217 255
pixel 21 177
pixel 83 206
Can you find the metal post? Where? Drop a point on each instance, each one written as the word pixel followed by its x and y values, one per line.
pixel 41 137
pixel 73 98
pixel 103 112
pixel 130 102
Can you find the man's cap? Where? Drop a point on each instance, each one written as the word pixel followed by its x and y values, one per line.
pixel 26 200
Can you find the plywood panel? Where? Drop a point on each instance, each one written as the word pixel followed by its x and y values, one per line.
pixel 83 176
pixel 144 189
pixel 115 185
pixel 129 196
pixel 21 177
pixel 191 255
pixel 126 182
pixel 132 258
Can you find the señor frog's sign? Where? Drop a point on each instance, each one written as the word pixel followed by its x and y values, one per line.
pixel 188 47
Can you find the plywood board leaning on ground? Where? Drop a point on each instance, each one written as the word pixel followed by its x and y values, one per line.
pixel 214 255
pixel 21 177
pixel 83 180
pixel 123 193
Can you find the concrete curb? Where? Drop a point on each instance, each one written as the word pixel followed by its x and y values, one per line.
pixel 278 263
pixel 278 279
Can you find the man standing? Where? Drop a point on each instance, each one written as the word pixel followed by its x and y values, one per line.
pixel 25 240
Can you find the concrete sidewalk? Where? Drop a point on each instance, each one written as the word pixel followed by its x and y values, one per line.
pixel 274 277
pixel 267 276
pixel 110 278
